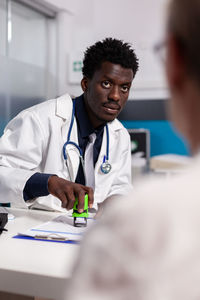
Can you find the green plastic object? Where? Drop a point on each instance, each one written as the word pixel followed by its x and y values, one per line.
pixel 84 214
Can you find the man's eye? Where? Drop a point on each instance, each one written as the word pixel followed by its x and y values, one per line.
pixel 106 84
pixel 125 89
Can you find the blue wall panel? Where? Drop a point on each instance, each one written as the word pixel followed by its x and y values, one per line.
pixel 2 126
pixel 163 138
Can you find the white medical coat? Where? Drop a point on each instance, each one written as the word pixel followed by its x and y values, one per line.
pixel 33 141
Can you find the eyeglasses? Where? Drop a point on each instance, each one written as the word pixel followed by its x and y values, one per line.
pixel 160 50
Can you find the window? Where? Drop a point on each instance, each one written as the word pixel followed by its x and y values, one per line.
pixel 27 62
pixel 3 27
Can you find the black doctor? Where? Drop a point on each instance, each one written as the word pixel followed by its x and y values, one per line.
pixel 108 71
pixel 37 168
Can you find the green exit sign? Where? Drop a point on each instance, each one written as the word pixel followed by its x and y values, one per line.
pixel 77 66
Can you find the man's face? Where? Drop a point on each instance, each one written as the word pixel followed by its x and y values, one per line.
pixel 107 92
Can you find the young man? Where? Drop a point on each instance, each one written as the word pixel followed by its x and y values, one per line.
pixel 149 248
pixel 44 153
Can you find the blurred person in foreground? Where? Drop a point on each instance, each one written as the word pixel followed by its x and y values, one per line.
pixel 150 248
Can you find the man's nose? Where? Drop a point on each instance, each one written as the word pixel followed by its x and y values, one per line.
pixel 114 93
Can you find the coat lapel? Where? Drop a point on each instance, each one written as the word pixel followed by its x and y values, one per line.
pixel 64 111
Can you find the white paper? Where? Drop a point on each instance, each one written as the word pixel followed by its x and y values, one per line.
pixel 60 227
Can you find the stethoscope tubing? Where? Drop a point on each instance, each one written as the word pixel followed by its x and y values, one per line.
pixel 68 142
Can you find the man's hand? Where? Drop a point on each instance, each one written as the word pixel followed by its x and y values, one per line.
pixel 66 191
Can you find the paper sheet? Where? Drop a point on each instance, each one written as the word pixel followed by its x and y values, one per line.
pixel 60 227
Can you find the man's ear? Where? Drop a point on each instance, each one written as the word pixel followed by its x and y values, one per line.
pixel 84 84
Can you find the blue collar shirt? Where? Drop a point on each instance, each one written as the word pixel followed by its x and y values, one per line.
pixel 85 129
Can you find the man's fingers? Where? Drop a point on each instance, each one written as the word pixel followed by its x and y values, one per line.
pixel 63 199
pixel 70 200
pixel 81 200
pixel 90 196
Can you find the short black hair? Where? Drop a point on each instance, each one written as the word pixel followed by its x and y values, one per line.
pixel 111 50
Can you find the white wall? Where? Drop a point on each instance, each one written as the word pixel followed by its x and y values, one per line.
pixel 140 22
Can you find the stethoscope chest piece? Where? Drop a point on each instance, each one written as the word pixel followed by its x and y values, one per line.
pixel 105 167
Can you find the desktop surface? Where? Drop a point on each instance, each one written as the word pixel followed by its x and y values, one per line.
pixel 32 267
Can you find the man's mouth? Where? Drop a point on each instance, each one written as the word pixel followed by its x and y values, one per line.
pixel 111 108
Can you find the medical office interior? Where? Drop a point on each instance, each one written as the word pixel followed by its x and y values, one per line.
pixel 42 44
pixel 41 48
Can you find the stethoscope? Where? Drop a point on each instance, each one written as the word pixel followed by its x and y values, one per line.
pixel 105 166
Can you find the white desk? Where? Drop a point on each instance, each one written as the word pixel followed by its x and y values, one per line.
pixel 34 268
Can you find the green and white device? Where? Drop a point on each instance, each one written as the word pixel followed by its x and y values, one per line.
pixel 80 219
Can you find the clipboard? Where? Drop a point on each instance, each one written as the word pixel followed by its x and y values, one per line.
pixel 60 229
pixel 23 237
